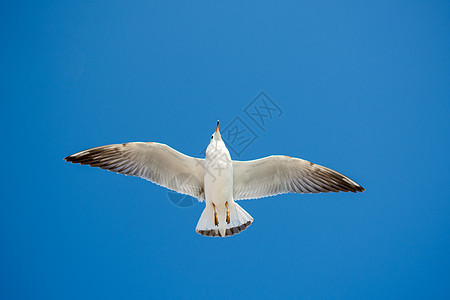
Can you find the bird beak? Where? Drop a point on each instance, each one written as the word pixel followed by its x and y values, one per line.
pixel 217 128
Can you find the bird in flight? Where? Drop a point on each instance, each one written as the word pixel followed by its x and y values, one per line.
pixel 216 179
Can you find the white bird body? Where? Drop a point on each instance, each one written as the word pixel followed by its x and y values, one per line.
pixel 218 173
pixel 228 216
pixel 216 179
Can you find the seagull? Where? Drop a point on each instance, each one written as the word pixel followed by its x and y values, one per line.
pixel 217 179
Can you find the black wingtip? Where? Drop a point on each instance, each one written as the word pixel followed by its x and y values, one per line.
pixel 359 189
pixel 71 159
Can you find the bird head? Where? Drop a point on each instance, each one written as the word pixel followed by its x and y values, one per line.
pixel 216 135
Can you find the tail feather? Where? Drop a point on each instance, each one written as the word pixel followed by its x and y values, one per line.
pixel 239 221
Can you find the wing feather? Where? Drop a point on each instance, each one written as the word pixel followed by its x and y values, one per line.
pixel 155 162
pixel 277 174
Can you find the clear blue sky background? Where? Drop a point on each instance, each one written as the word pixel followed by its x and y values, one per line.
pixel 364 89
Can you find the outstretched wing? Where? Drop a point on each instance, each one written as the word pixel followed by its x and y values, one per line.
pixel 275 175
pixel 155 162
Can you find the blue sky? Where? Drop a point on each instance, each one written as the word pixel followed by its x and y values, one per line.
pixel 363 87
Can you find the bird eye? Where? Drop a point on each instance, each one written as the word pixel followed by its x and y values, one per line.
pixel 212 136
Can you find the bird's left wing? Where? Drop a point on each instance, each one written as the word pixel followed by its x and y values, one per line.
pixel 155 162
pixel 276 174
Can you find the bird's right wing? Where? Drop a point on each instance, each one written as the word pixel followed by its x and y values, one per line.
pixel 276 174
pixel 155 162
